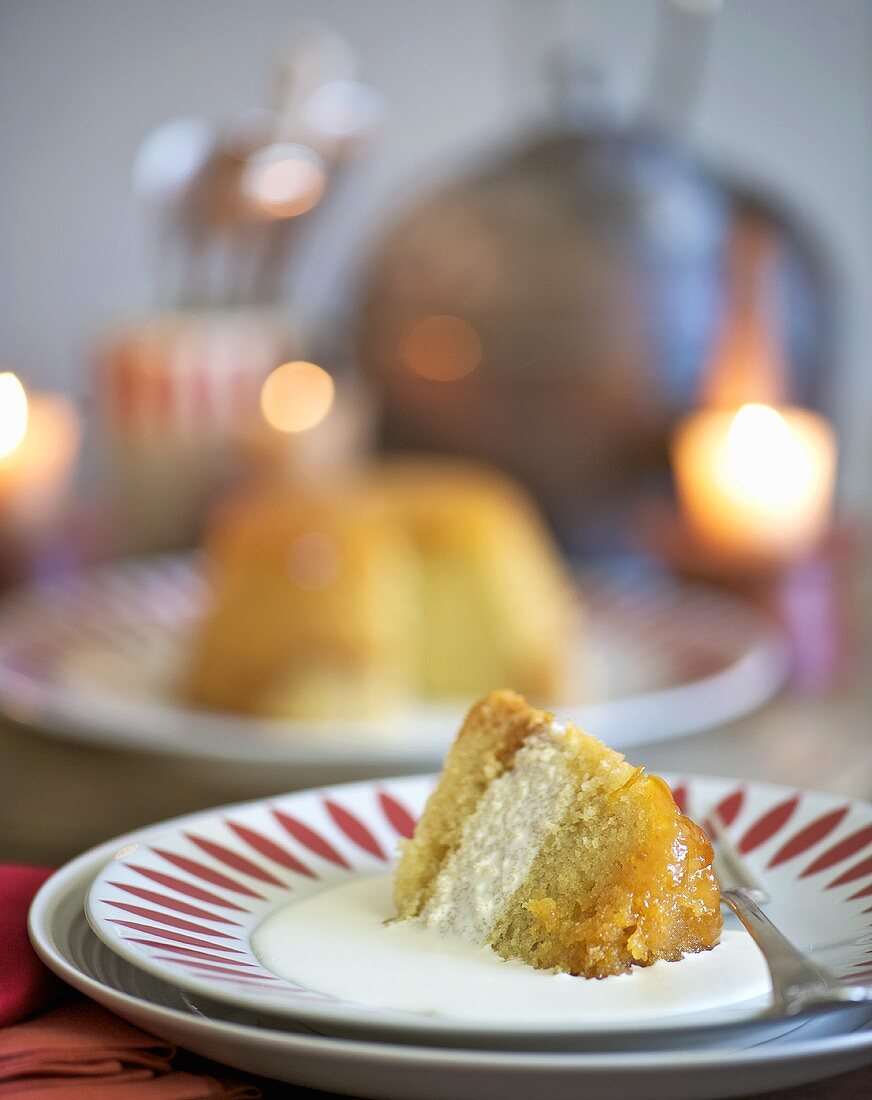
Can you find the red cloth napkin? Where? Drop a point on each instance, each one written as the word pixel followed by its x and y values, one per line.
pixel 25 984
pixel 76 1049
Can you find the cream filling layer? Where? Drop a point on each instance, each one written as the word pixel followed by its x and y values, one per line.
pixel 500 840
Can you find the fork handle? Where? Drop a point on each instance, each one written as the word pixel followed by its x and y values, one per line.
pixel 797 983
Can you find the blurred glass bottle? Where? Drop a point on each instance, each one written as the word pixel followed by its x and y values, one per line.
pixel 551 309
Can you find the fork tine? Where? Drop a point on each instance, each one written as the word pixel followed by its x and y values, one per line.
pixel 730 867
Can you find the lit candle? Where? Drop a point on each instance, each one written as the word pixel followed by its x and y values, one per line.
pixel 755 484
pixel 39 440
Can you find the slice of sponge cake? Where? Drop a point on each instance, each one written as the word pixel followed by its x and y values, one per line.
pixel 552 849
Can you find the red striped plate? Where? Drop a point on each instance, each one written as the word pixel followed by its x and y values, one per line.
pixel 97 659
pixel 181 900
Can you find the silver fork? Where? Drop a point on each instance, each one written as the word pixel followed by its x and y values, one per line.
pixel 797 983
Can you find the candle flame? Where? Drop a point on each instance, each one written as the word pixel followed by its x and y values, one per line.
pixel 13 413
pixel 765 464
pixel 297 396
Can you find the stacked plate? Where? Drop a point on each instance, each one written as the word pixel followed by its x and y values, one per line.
pixel 161 927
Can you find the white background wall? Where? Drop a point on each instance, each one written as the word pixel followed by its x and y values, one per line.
pixel 788 100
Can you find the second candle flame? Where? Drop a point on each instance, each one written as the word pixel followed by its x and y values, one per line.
pixel 13 413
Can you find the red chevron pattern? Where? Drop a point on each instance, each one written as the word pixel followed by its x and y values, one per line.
pixel 173 882
pixel 170 902
pixel 354 829
pixel 311 840
pixel 397 815
pixel 233 859
pixel 166 918
pixel 841 851
pixel 207 874
pixel 809 836
pixel 266 847
pixel 728 808
pixel 768 825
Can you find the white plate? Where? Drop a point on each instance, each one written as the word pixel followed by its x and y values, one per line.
pixel 396 1072
pixel 182 900
pixel 94 659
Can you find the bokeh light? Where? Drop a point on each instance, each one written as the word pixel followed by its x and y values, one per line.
pixel 441 348
pixel 13 413
pixel 342 110
pixel 284 180
pixel 171 156
pixel 297 396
